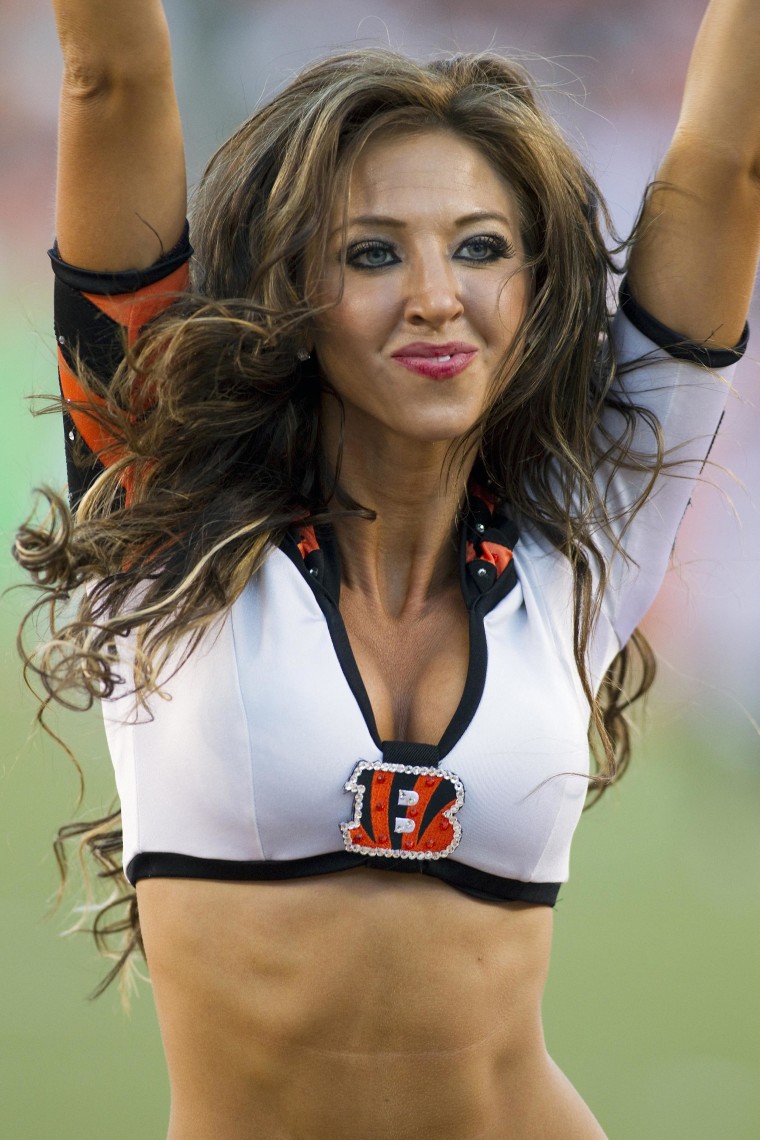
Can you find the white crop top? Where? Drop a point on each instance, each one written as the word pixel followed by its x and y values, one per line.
pixel 265 763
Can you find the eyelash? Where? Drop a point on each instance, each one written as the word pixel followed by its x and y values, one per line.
pixel 499 247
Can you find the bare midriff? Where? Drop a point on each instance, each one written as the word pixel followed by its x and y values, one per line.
pixel 354 1006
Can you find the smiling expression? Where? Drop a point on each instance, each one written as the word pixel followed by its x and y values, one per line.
pixel 434 289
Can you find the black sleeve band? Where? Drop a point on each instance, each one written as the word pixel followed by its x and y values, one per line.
pixel 129 280
pixel 674 343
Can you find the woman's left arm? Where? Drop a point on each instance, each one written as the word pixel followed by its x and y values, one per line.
pixel 693 265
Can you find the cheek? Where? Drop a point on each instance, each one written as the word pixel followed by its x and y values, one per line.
pixel 356 325
pixel 339 345
pixel 513 302
pixel 495 301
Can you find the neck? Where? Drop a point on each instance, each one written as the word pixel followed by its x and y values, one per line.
pixel 403 561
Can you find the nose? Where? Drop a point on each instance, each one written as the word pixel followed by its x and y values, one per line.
pixel 433 293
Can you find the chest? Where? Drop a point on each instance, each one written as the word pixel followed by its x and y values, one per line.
pixel 414 670
pixel 271 716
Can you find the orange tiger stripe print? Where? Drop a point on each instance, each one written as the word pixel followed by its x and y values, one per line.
pixel 132 311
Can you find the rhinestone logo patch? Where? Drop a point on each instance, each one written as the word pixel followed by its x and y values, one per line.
pixel 403 811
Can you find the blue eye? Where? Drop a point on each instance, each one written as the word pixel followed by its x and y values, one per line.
pixel 485 247
pixel 376 254
pixel 371 255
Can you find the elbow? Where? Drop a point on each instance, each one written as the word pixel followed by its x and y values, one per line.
pixel 84 79
pixel 85 76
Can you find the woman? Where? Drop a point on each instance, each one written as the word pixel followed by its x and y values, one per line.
pixel 378 504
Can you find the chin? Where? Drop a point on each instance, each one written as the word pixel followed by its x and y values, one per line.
pixel 440 433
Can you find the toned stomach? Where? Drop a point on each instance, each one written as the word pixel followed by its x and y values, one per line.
pixel 354 1005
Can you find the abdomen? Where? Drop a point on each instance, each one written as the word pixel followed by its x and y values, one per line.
pixel 346 1004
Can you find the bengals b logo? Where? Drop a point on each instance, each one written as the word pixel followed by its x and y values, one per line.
pixel 403 811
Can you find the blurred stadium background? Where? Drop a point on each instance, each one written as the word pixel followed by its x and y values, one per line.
pixel 653 1008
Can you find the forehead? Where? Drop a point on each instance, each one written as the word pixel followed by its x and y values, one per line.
pixel 432 174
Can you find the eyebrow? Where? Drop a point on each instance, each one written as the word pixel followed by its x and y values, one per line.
pixel 398 223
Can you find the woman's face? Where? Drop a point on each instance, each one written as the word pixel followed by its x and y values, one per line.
pixel 434 289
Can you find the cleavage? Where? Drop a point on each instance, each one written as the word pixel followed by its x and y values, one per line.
pixel 414 671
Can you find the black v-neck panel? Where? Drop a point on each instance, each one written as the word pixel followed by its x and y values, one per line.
pixel 473 687
pixel 327 593
pixel 482 590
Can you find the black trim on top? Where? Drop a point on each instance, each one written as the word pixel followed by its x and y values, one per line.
pixel 324 575
pixel 674 343
pixel 473 686
pixel 327 601
pixel 469 880
pixel 329 575
pixel 476 668
pixel 170 865
pixel 127 281
pixel 410 752
pixel 482 588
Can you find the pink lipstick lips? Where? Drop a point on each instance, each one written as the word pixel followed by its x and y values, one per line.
pixel 436 361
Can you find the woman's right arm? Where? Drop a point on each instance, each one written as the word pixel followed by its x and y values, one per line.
pixel 121 195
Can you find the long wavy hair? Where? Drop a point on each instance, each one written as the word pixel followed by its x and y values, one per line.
pixel 218 422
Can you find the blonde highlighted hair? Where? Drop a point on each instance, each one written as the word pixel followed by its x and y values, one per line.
pixel 227 457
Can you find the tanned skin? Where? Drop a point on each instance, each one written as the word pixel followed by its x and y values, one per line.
pixel 277 1000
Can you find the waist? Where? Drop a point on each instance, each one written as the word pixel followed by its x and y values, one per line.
pixel 287 993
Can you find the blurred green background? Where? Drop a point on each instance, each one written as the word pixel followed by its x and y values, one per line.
pixel 653 1006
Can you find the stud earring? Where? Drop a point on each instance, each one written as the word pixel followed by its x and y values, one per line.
pixel 303 355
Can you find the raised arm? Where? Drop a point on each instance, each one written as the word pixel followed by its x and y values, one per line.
pixel 121 197
pixel 694 265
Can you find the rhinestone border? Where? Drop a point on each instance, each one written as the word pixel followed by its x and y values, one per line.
pixel 352 785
